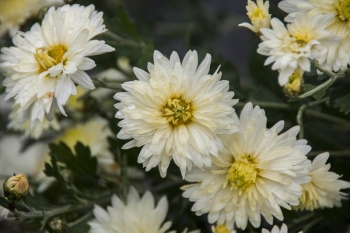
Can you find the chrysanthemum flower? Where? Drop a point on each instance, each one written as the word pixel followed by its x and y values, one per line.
pixel 276 229
pixel 46 61
pixel 15 12
pixel 258 172
pixel 135 216
pixel 291 48
pixel 176 112
pixel 337 57
pixel 33 132
pixel 324 188
pixel 259 15
pixel 93 133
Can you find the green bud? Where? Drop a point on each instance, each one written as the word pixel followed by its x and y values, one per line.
pixel 16 187
pixel 56 225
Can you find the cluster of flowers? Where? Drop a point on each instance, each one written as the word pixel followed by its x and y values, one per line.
pixel 239 169
pixel 316 30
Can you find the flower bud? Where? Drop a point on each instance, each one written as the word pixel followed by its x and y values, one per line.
pixel 16 187
pixel 56 225
pixel 295 84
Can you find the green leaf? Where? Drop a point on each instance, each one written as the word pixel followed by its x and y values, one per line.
pixel 54 171
pixel 82 163
pixel 318 95
pixel 4 202
pixel 123 25
pixel 37 201
pixel 81 228
pixel 343 103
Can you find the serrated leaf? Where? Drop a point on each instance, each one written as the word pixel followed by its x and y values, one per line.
pixel 82 163
pixel 37 201
pixel 343 103
pixel 54 171
pixel 123 25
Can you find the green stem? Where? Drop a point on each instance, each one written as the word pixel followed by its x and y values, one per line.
pixel 301 111
pixel 80 220
pixel 265 105
pixel 325 85
pixel 123 41
pixel 327 117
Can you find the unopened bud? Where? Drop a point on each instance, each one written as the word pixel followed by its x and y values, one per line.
pixel 295 85
pixel 16 187
pixel 56 225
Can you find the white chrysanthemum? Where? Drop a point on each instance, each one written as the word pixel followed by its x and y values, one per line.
pixel 324 188
pixel 93 133
pixel 176 112
pixel 34 132
pixel 258 172
pixel 46 61
pixel 29 162
pixel 276 229
pixel 15 12
pixel 259 15
pixel 136 216
pixel 337 57
pixel 291 48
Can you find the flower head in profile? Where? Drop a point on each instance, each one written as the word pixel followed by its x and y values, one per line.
pixel 276 229
pixel 257 173
pixel 93 133
pixel 176 111
pixel 259 15
pixel 135 216
pixel 337 56
pixel 42 68
pixel 34 132
pixel 291 48
pixel 295 84
pixel 323 191
pixel 15 12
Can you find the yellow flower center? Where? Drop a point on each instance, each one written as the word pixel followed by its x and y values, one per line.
pixel 344 9
pixel 177 111
pixel 221 229
pixel 258 14
pixel 47 58
pixel 242 173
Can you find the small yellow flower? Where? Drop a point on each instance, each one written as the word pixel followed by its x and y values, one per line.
pixel 295 85
pixel 259 15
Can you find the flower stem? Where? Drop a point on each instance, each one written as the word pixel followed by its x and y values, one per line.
pixel 325 85
pixel 123 41
pixel 265 105
pixel 301 112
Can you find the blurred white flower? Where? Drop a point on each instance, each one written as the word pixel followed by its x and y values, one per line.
pixel 13 13
pixel 324 188
pixel 258 172
pixel 138 215
pixel 276 229
pixel 176 112
pixel 291 48
pixel 29 162
pixel 3 213
pixel 34 132
pixel 47 60
pixel 259 15
pixel 337 56
pixel 93 133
